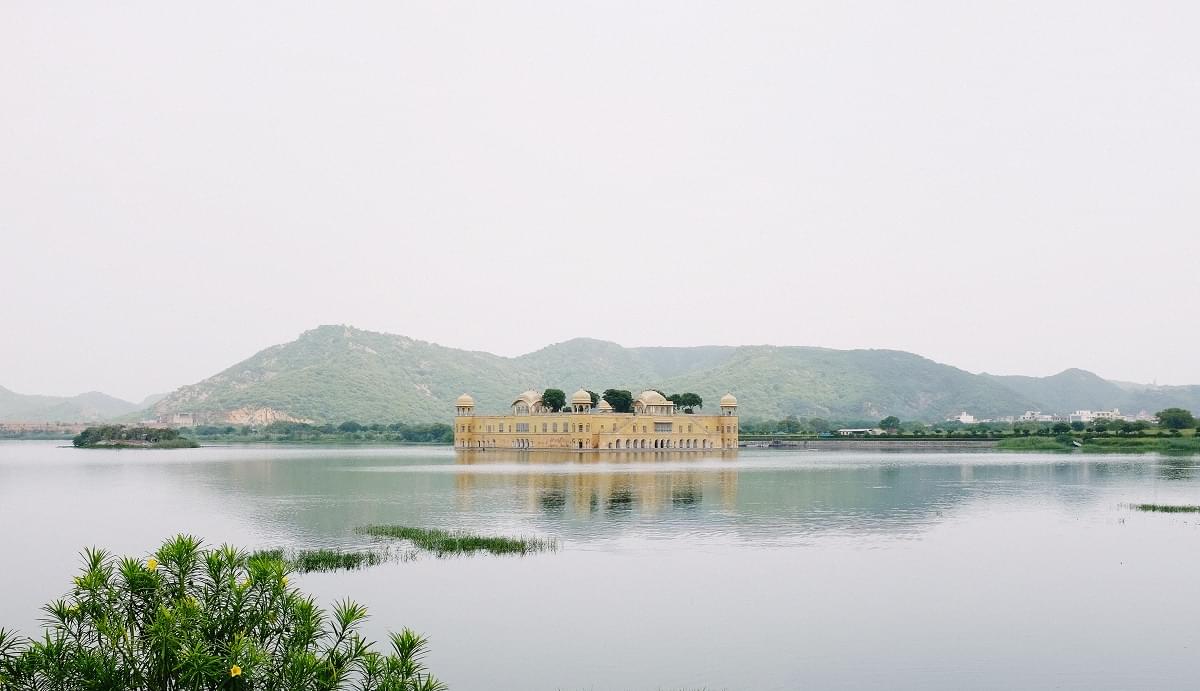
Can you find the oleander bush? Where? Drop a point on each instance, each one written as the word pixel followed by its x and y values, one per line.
pixel 196 618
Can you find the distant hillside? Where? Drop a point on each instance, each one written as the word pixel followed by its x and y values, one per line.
pixel 1076 389
pixel 846 384
pixel 336 373
pixel 86 407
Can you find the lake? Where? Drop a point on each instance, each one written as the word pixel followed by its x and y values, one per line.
pixel 756 569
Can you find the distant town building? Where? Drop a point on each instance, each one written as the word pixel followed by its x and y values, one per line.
pixel 860 431
pixel 653 424
pixel 1039 416
pixel 963 417
pixel 1088 416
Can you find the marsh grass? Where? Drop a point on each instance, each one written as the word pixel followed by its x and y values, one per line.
pixel 1166 508
pixel 445 542
pixel 1125 444
pixel 440 542
pixel 325 559
pixel 1149 443
pixel 309 560
pixel 1032 444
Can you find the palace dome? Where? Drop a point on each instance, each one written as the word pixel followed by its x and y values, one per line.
pixel 603 405
pixel 531 397
pixel 581 397
pixel 728 399
pixel 651 397
pixel 464 401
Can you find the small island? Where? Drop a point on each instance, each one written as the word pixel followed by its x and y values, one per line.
pixel 123 437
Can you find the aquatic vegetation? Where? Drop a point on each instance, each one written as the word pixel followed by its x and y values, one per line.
pixel 444 542
pixel 329 559
pixel 306 561
pixel 1159 443
pixel 1167 508
pixel 1100 444
pixel 1032 444
pixel 193 618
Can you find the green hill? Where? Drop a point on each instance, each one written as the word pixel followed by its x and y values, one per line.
pixel 772 381
pixel 1076 389
pixel 336 373
pixel 86 407
pixel 1069 390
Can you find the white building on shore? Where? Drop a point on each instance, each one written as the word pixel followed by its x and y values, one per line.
pixel 1039 416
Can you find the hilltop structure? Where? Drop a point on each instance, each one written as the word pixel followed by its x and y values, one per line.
pixel 653 424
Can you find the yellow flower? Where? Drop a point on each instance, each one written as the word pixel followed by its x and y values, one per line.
pixel 235 671
pixel 152 564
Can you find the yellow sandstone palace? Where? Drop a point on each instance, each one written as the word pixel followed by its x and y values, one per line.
pixel 653 424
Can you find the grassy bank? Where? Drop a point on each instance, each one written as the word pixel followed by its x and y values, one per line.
pixel 442 542
pixel 1157 444
pixel 330 440
pixel 305 433
pixel 1033 444
pixel 1160 443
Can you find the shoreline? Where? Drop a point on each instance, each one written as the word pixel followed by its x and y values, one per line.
pixel 866 443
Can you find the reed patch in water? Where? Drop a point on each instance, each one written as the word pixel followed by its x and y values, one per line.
pixel 1167 508
pixel 325 559
pixel 309 560
pixel 449 542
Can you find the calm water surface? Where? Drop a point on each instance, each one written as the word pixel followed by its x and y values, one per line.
pixel 749 570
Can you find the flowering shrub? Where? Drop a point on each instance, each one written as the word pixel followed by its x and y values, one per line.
pixel 196 618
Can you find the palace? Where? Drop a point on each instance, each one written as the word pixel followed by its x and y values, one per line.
pixel 653 424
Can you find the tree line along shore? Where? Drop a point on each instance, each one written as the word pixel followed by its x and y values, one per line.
pixel 1174 431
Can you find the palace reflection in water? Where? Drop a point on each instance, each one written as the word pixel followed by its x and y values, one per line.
pixel 648 482
pixel 761 495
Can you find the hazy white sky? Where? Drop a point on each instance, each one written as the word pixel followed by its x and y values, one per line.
pixel 1004 186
